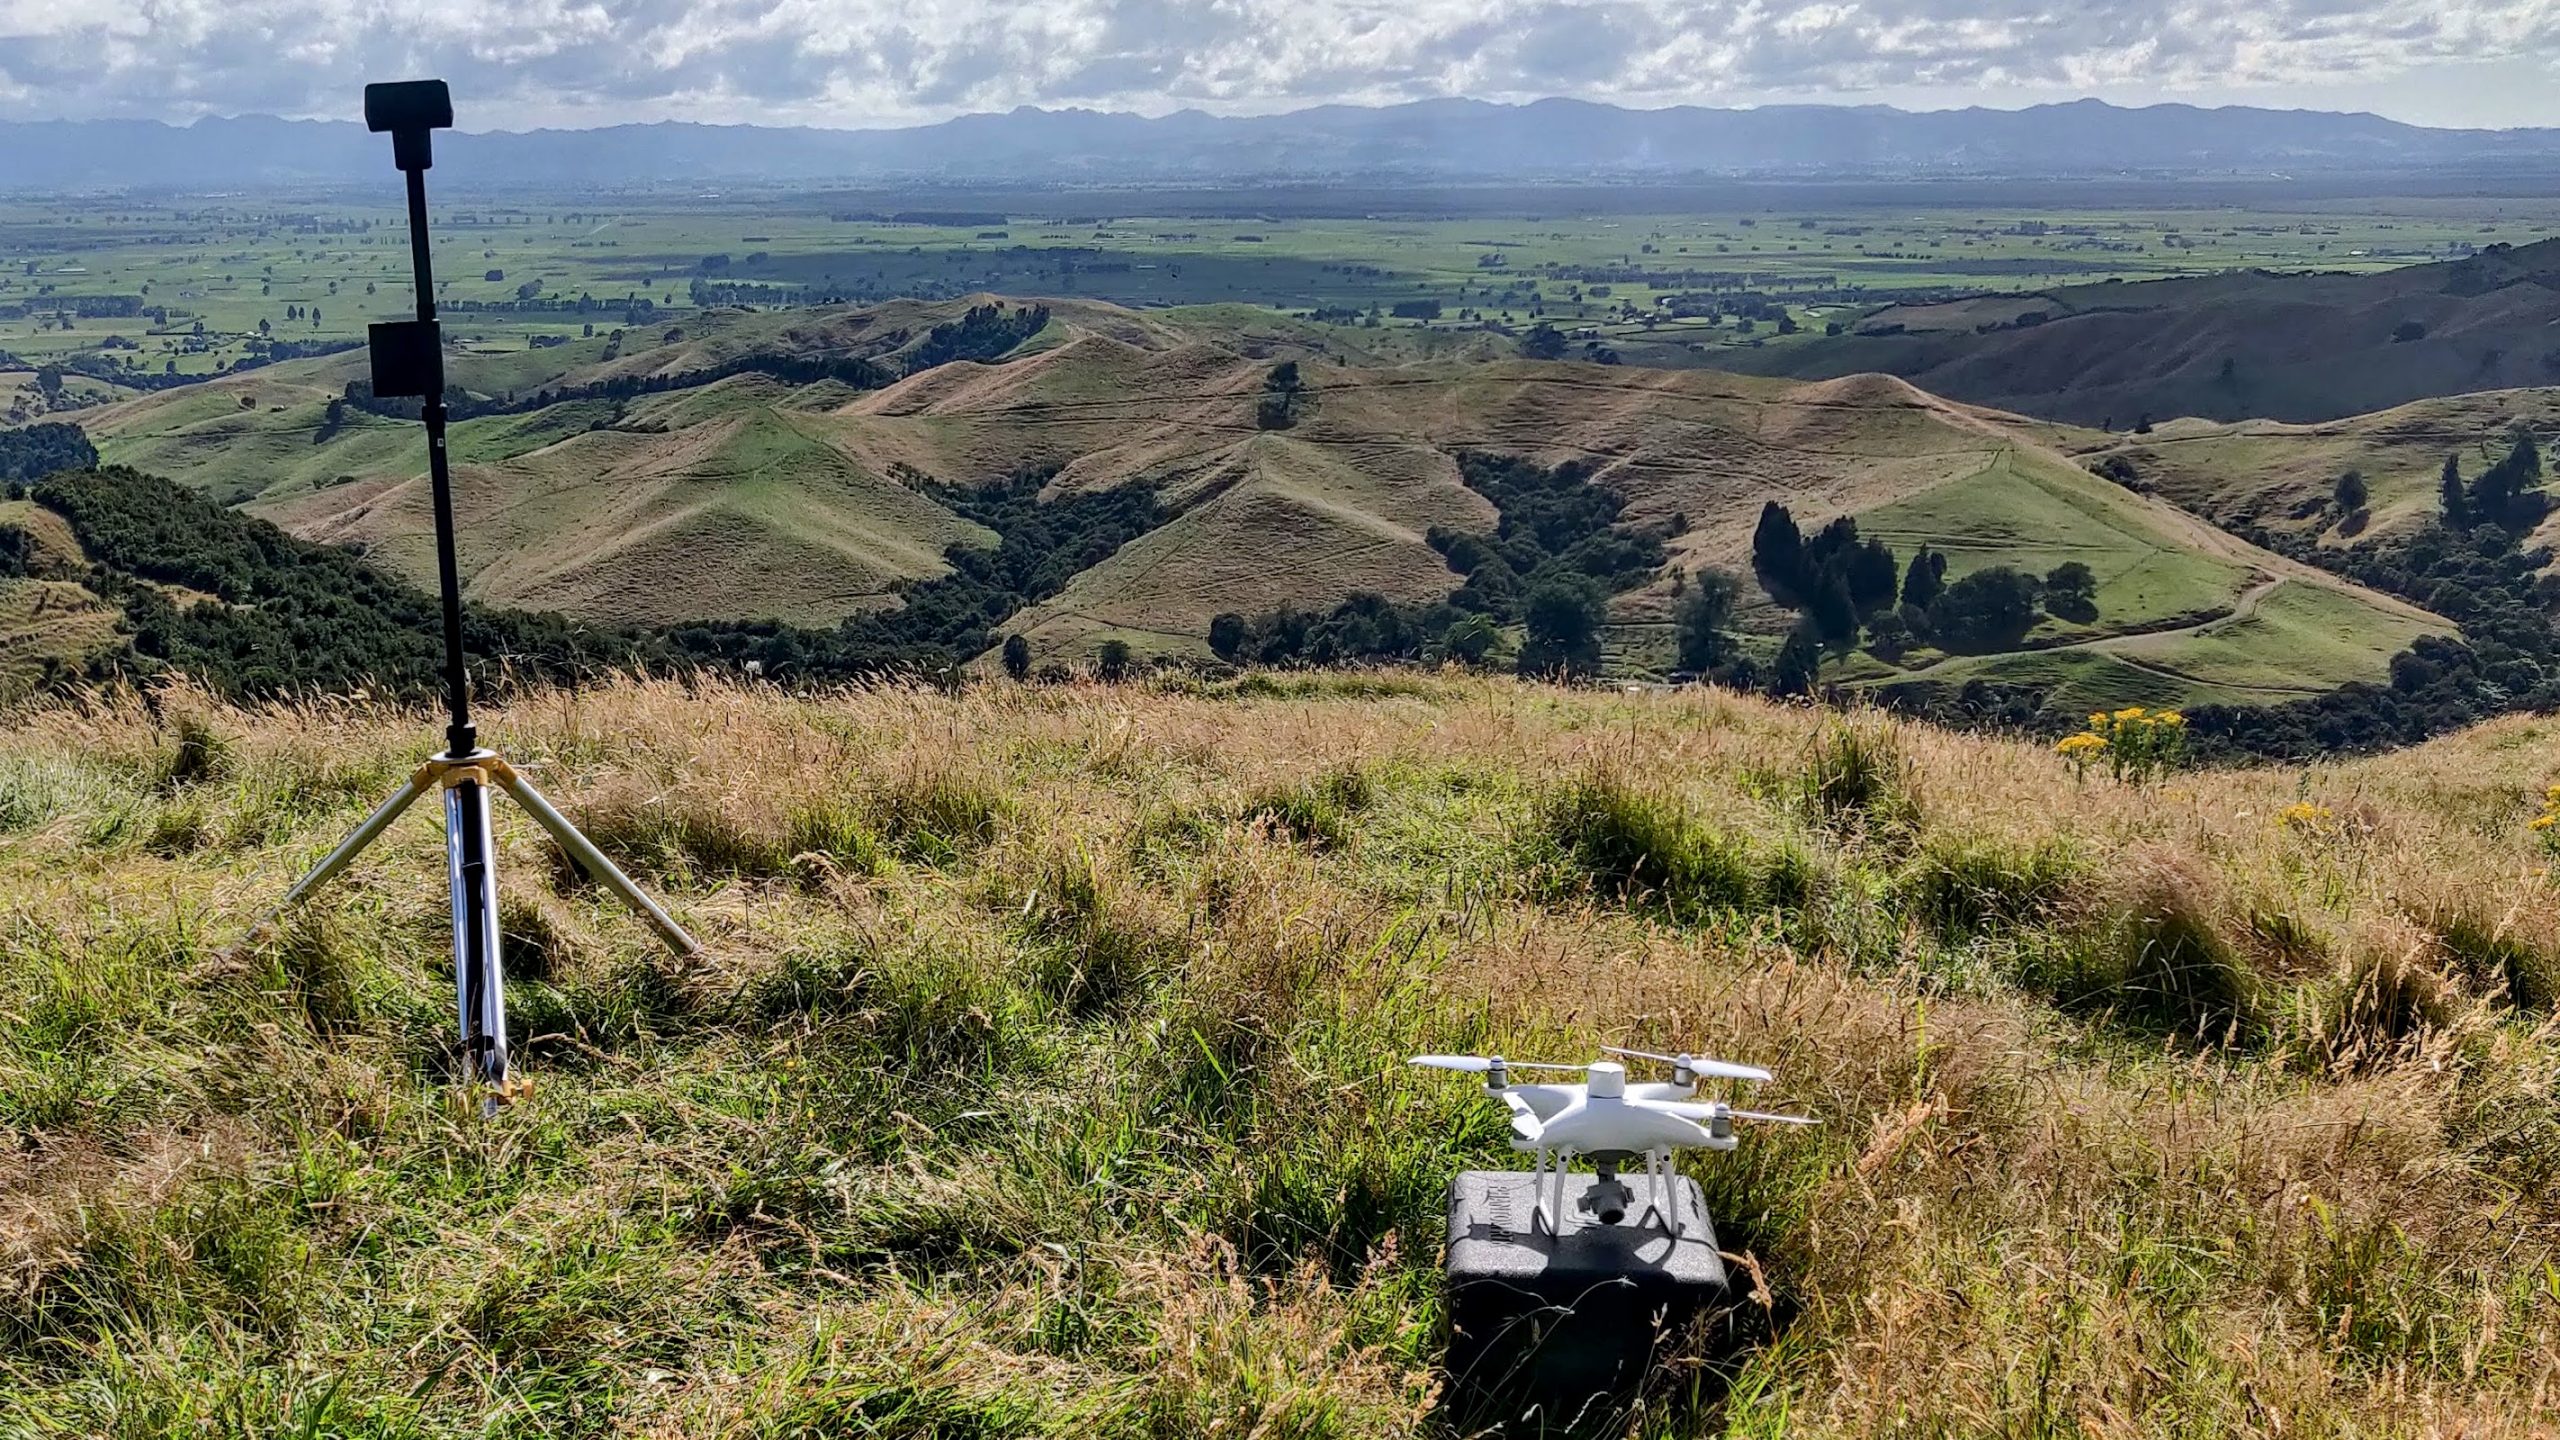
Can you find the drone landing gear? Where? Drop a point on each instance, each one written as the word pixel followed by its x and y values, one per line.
pixel 479 985
pixel 1660 1210
pixel 1608 1199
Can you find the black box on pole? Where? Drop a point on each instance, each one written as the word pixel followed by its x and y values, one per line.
pixel 408 358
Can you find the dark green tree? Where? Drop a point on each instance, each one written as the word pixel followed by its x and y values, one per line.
pixel 1565 616
pixel 2350 493
pixel 1543 342
pixel 1830 611
pixel 1777 555
pixel 1988 610
pixel 1017 658
pixel 1924 578
pixel 1872 576
pixel 1706 620
pixel 2452 493
pixel 1111 661
pixel 1889 635
pixel 2508 493
pixel 1799 663
pixel 2071 592
pixel 1228 634
pixel 1470 638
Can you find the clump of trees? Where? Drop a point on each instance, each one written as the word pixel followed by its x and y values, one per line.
pixel 1282 395
pixel 2508 494
pixel 288 615
pixel 32 452
pixel 1041 545
pixel 1554 558
pixel 1843 584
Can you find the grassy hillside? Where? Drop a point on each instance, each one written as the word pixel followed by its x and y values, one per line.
pixel 2300 347
pixel 2284 477
pixel 747 496
pixel 50 623
pixel 1042 1075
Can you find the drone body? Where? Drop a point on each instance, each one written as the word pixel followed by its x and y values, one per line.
pixel 1612 1123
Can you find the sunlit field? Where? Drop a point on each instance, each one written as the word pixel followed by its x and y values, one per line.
pixel 1041 1073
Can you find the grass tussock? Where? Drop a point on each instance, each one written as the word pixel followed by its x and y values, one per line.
pixel 1632 842
pixel 1042 1072
pixel 2166 958
pixel 1322 812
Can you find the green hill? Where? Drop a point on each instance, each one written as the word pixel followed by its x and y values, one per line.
pixel 2282 478
pixel 804 466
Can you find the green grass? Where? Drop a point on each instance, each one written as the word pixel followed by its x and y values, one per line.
pixel 2034 517
pixel 1042 1073
pixel 2301 637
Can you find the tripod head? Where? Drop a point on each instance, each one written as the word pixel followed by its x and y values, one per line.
pixel 411 110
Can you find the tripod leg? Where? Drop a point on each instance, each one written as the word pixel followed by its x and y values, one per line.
pixel 348 849
pixel 594 860
pixel 479 985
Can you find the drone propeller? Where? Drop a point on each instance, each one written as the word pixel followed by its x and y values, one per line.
pixel 1777 1119
pixel 1695 1064
pixel 1479 1064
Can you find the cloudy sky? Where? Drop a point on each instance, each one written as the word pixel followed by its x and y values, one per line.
pixel 523 63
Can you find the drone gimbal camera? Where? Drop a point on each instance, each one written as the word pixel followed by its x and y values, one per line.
pixel 408 363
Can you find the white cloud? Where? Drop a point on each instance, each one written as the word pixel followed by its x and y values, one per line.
pixel 524 62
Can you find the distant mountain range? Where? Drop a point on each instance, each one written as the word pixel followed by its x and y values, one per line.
pixel 1462 140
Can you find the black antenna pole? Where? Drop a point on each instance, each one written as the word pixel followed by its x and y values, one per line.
pixel 409 360
pixel 460 738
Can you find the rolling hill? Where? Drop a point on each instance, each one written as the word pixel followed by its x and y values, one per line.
pixel 717 483
pixel 2290 347
pixel 2283 477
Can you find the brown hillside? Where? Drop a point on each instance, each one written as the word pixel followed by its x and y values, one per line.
pixel 2265 472
pixel 2300 347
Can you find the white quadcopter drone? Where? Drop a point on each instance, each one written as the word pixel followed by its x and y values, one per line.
pixel 1610 1122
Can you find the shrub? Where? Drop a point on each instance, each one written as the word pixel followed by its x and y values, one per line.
pixel 1637 844
pixel 1857 778
pixel 197 754
pixel 2171 965
pixel 2135 745
pixel 937 818
pixel 2493 955
pixel 1977 885
pixel 1312 812
pixel 2375 1010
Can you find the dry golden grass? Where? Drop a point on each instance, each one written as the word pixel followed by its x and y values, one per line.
pixel 1041 1074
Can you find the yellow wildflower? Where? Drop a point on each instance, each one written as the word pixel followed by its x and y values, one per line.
pixel 2130 712
pixel 2081 744
pixel 2545 822
pixel 2303 815
pixel 2168 717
